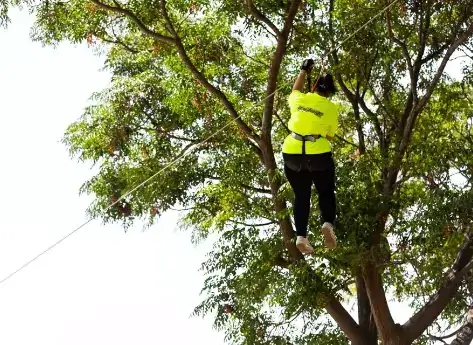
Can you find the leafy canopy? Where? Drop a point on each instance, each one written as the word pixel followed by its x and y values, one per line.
pixel 183 69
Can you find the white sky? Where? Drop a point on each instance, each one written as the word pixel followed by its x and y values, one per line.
pixel 100 286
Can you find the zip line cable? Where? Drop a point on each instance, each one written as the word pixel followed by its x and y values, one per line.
pixel 173 162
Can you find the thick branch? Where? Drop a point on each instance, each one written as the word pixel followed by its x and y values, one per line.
pixel 421 320
pixel 346 323
pixel 134 18
pixel 379 305
pixel 265 143
pixel 274 71
pixel 261 17
pixel 203 80
pixel 365 317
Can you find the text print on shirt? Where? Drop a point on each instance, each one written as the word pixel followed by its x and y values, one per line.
pixel 310 110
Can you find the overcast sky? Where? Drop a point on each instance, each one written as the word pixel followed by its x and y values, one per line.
pixel 101 286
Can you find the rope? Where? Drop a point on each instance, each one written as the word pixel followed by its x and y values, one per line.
pixel 186 153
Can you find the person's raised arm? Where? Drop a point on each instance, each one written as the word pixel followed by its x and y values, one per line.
pixel 300 80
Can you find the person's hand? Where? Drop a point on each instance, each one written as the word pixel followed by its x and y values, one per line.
pixel 307 65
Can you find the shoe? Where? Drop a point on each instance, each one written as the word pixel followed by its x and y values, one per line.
pixel 329 236
pixel 302 243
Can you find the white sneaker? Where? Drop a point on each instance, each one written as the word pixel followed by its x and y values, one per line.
pixel 302 243
pixel 329 236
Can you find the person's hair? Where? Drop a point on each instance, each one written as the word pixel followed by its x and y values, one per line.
pixel 325 85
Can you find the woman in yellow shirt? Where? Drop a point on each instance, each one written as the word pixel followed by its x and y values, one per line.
pixel 307 154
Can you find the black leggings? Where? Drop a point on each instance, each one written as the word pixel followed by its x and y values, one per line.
pixel 301 171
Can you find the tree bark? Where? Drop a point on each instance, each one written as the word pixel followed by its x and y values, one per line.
pixel 346 323
pixel 365 317
pixel 465 334
pixel 274 71
pixel 387 329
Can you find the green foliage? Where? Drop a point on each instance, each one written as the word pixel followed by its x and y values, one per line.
pixel 156 109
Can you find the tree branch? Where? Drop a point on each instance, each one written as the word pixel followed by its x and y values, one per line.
pixel 265 144
pixel 203 80
pixel 251 57
pixel 408 125
pixel 455 44
pixel 373 117
pixel 403 47
pixel 344 320
pixel 121 43
pixel 379 305
pixel 445 336
pixel 346 141
pixel 251 225
pixel 434 54
pixel 274 71
pixel 281 262
pixel 359 125
pixel 134 18
pixel 261 17
pixel 365 316
pixel 256 189
pixel 421 320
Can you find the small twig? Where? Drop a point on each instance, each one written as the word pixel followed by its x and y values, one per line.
pixel 445 336
pixel 433 337
pixel 346 141
pixel 134 18
pixel 392 263
pixel 261 17
pixel 252 225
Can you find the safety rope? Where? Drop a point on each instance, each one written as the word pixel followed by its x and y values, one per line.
pixel 187 152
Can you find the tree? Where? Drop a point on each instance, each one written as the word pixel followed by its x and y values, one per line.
pixel 183 69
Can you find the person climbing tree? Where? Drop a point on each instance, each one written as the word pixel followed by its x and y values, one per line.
pixel 307 153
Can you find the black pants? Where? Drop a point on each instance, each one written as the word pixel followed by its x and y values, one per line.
pixel 301 171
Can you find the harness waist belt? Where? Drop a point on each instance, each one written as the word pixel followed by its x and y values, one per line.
pixel 304 138
pixel 311 137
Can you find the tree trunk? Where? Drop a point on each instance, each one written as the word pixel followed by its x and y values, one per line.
pixel 365 317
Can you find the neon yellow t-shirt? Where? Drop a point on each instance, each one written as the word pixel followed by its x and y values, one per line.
pixel 311 114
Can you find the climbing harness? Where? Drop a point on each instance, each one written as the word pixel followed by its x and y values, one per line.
pixel 304 138
pixel 178 158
